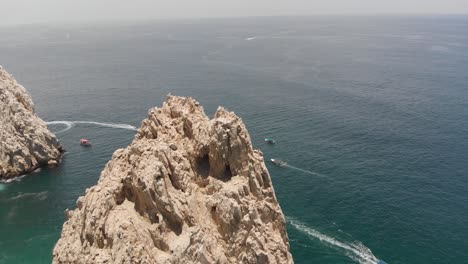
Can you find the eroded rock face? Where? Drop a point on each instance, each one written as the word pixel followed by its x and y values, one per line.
pixel 187 190
pixel 25 142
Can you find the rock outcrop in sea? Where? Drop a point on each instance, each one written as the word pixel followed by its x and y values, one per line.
pixel 186 190
pixel 25 142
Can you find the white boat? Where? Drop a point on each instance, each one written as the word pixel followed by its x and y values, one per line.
pixel 279 162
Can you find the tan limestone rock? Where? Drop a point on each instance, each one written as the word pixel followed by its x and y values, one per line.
pixel 187 190
pixel 25 142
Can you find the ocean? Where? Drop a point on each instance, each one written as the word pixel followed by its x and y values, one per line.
pixel 371 114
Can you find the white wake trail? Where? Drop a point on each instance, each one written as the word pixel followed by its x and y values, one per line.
pixel 306 171
pixel 14 179
pixel 357 251
pixel 34 196
pixel 70 124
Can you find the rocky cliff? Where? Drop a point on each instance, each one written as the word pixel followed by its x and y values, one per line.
pixel 187 190
pixel 25 142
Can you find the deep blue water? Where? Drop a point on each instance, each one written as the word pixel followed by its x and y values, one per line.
pixel 370 112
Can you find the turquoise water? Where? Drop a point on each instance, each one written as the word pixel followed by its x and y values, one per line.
pixel 370 113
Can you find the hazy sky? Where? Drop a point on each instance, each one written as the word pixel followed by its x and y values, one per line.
pixel 32 11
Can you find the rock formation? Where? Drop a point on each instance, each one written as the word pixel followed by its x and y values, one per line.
pixel 187 190
pixel 25 142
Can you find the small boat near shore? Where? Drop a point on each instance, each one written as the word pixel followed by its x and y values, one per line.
pixel 270 141
pixel 278 162
pixel 85 142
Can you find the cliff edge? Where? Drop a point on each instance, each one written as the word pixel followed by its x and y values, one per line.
pixel 25 142
pixel 187 190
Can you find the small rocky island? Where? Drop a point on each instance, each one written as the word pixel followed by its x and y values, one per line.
pixel 187 190
pixel 25 142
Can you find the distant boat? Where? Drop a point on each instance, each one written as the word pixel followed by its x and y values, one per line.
pixel 270 141
pixel 278 162
pixel 85 142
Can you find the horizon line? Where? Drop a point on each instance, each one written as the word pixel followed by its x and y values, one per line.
pixel 174 19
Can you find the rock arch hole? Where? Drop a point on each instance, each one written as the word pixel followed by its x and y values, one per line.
pixel 203 166
pixel 227 174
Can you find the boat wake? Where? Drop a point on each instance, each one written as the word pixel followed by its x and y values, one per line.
pixel 305 171
pixel 69 124
pixel 36 196
pixel 356 250
pixel 15 179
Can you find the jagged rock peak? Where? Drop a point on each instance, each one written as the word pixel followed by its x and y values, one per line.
pixel 187 190
pixel 25 142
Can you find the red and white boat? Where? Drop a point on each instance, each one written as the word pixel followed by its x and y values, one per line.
pixel 85 142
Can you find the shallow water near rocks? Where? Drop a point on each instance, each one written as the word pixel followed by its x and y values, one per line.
pixel 370 114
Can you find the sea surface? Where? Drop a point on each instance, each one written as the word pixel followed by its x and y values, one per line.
pixel 371 113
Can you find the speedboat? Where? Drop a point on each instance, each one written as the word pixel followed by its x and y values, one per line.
pixel 270 141
pixel 85 142
pixel 278 162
